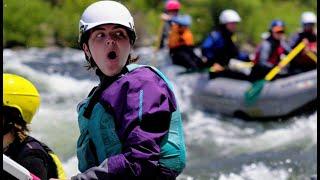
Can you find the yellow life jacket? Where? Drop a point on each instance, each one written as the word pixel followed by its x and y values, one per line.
pixel 60 171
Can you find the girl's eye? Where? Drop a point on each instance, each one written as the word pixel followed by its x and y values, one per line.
pixel 118 35
pixel 100 35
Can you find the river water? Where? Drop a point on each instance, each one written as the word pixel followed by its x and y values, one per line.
pixel 218 147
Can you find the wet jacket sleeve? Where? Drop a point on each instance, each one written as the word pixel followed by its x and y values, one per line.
pixel 243 56
pixel 294 41
pixel 212 46
pixel 206 48
pixel 142 109
pixel 286 46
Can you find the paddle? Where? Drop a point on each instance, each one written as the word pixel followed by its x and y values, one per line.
pixel 252 94
pixel 16 169
pixel 159 36
pixel 312 56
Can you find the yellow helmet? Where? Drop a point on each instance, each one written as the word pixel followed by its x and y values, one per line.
pixel 20 93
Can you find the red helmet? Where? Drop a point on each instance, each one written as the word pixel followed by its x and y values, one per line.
pixel 172 5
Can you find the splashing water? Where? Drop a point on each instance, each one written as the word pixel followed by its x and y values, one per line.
pixel 218 147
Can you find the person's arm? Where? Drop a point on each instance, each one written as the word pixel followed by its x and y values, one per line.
pixel 265 50
pixel 143 122
pixel 164 34
pixel 244 56
pixel 214 49
pixel 165 30
pixel 286 46
pixel 206 48
pixel 294 41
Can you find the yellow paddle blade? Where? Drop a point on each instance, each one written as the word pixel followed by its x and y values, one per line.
pixel 312 56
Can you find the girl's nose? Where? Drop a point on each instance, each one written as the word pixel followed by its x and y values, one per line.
pixel 110 41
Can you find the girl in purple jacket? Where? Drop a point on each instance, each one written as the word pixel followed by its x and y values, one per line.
pixel 130 124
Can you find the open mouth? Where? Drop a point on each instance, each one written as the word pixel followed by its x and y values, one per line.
pixel 112 55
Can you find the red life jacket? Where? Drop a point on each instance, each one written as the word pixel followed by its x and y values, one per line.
pixel 274 57
pixel 312 45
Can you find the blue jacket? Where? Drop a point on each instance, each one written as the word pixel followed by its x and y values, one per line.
pixel 219 47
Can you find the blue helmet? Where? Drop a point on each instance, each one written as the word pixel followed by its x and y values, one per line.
pixel 277 25
pixel 183 20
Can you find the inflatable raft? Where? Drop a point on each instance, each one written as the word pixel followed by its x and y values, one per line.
pixel 278 98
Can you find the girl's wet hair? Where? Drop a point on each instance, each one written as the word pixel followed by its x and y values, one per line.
pixel 13 118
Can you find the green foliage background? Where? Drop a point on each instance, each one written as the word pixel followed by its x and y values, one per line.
pixel 43 23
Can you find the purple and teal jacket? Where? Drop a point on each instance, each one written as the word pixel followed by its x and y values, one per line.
pixel 131 128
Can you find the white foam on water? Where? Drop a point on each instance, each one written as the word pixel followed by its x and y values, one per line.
pixel 185 177
pixel 39 54
pixel 53 83
pixel 256 171
pixel 204 128
pixel 236 139
pixel 71 167
pixel 274 139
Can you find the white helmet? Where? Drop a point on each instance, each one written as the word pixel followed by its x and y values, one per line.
pixel 228 16
pixel 308 17
pixel 105 12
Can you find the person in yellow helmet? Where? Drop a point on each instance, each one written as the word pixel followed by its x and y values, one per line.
pixel 21 100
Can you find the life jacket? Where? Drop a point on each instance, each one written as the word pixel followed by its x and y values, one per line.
pixel 219 47
pixel 180 36
pixel 30 145
pixel 303 61
pixel 274 57
pixel 312 45
pixel 99 140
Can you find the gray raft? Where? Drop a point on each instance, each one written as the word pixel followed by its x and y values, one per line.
pixel 278 98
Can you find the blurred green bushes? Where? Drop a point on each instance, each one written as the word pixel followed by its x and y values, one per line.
pixel 43 23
